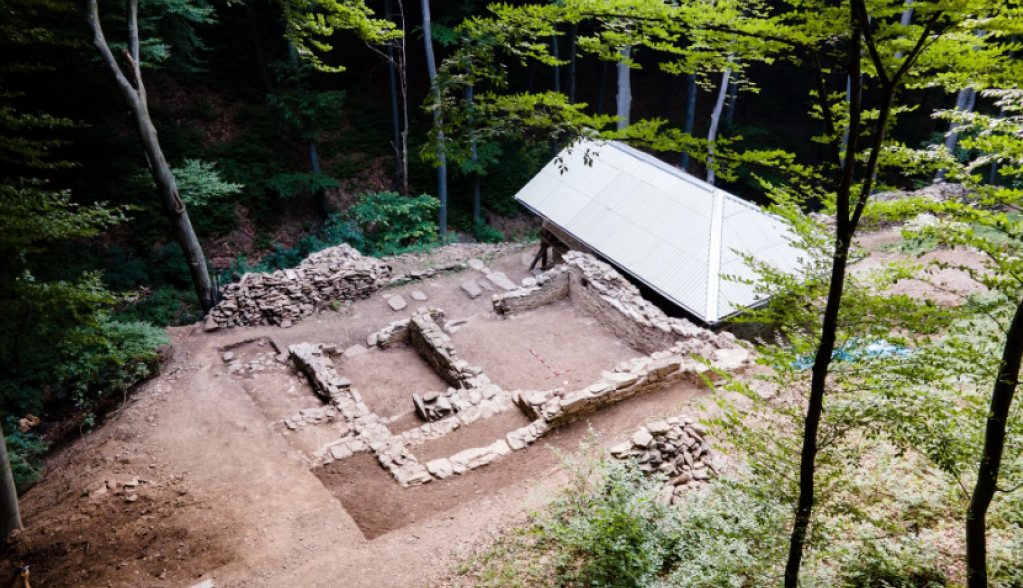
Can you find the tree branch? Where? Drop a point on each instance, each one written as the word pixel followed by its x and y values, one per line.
pixel 92 19
pixel 829 122
pixel 864 18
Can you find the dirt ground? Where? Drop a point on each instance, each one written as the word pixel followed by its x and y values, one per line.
pixel 198 477
pixel 219 488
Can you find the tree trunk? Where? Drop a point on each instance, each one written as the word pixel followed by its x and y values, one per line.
pixel 135 96
pixel 907 17
pixel 715 119
pixel 442 169
pixel 603 84
pixel 573 33
pixel 399 168
pixel 257 49
pixel 690 115
pixel 314 156
pixel 10 514
pixel 557 83
pixel 624 99
pixel 476 212
pixel 991 458
pixel 733 94
pixel 965 101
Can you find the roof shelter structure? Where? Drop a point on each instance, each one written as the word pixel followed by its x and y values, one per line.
pixel 674 233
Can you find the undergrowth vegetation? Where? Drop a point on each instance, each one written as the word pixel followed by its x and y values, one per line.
pixel 899 527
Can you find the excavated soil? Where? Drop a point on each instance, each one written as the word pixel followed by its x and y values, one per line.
pixel 224 491
pixel 379 506
pixel 387 379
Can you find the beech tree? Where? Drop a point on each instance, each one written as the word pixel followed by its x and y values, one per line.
pixel 133 91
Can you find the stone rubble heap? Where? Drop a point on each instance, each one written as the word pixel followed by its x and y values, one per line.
pixel 675 447
pixel 284 297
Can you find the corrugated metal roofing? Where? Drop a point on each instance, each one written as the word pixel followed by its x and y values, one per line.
pixel 677 234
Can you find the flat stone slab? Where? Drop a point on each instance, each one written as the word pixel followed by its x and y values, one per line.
pixel 477 264
pixel 485 285
pixel 502 281
pixel 354 351
pixel 396 302
pixel 471 288
pixel 418 295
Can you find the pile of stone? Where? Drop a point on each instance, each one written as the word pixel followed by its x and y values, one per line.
pixel 432 406
pixel 311 416
pixel 488 398
pixel 286 296
pixel 676 448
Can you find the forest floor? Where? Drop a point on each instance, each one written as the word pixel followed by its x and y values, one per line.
pixel 196 477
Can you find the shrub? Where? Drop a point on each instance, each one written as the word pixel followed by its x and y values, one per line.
pixel 728 538
pixel 610 525
pixel 890 563
pixel 391 222
pixel 485 233
pixel 25 451
pixel 108 357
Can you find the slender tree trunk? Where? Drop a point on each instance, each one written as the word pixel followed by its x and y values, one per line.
pixel 257 49
pixel 603 84
pixel 477 216
pixel 307 129
pixel 399 169
pixel 847 219
pixel 907 18
pixel 690 115
pixel 624 99
pixel 993 174
pixel 557 82
pixel 572 35
pixel 965 101
pixel 134 93
pixel 715 119
pixel 733 95
pixel 442 169
pixel 991 458
pixel 10 514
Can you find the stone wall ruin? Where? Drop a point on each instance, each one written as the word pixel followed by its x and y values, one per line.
pixel 615 302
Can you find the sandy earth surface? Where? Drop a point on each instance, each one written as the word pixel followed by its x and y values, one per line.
pixel 197 477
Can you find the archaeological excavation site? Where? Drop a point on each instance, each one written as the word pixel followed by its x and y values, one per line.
pixel 460 370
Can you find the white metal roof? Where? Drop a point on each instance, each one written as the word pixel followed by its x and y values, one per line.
pixel 677 234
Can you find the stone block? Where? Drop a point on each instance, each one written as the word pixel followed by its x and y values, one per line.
pixel 440 468
pixel 396 302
